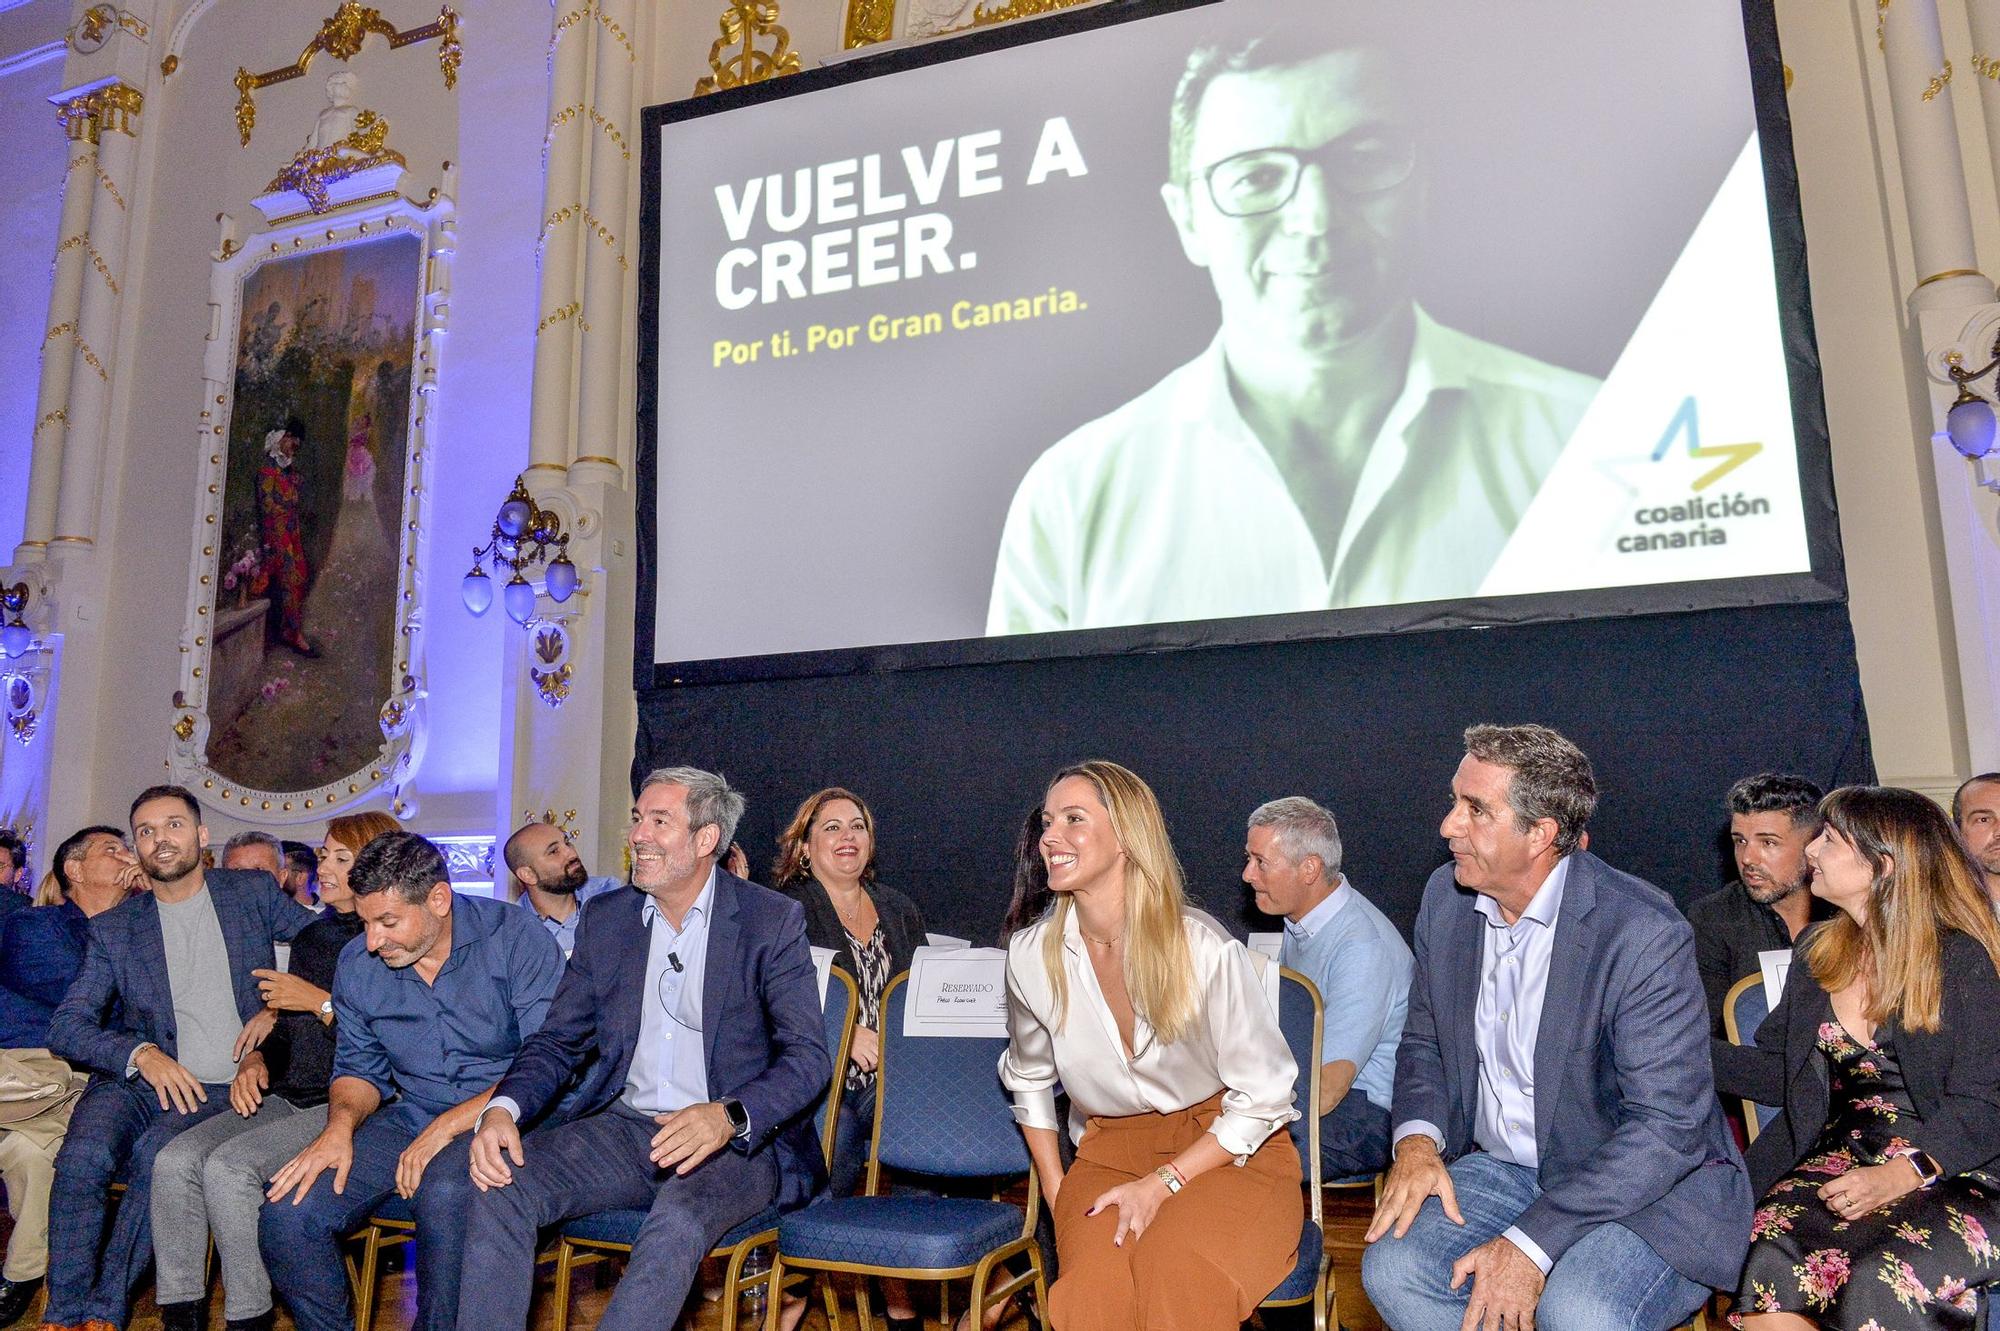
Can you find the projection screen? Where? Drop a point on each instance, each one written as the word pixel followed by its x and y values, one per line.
pixel 1154 325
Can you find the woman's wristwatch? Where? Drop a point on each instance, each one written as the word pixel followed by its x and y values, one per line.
pixel 1928 1170
pixel 1172 1178
pixel 326 1011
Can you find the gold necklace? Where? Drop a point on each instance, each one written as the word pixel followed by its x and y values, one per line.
pixel 1101 942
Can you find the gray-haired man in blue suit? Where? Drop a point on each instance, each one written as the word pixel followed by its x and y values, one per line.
pixel 166 1014
pixel 1560 1156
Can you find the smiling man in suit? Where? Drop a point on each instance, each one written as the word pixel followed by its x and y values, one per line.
pixel 1560 1157
pixel 166 1014
pixel 697 991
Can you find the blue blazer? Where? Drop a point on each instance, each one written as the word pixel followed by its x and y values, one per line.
pixel 762 1035
pixel 1627 1124
pixel 122 998
pixel 41 951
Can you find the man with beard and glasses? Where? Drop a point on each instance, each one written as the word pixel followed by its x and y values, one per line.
pixel 167 1016
pixel 430 1006
pixel 1771 818
pixel 1975 810
pixel 553 882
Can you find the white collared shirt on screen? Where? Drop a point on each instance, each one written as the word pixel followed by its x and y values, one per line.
pixel 1233 1046
pixel 1170 509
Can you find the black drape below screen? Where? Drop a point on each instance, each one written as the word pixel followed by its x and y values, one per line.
pixel 1670 708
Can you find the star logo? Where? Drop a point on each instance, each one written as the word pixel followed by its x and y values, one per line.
pixel 1685 423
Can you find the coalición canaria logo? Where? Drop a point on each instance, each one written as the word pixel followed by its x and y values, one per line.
pixel 1698 521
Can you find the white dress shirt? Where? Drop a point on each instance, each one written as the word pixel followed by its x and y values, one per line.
pixel 668 1071
pixel 1506 1023
pixel 1170 508
pixel 1233 1046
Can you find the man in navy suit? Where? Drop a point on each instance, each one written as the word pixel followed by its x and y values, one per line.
pixel 41 951
pixel 166 1014
pixel 697 991
pixel 1560 1156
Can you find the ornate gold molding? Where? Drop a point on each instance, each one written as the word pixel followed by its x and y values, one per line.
pixel 1937 83
pixel 592 10
pixel 742 24
pixel 112 107
pixel 1013 9
pixel 868 22
pixel 1986 66
pixel 97 25
pixel 313 169
pixel 341 36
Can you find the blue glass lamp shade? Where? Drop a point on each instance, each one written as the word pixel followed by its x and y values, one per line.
pixel 562 580
pixel 519 598
pixel 1970 425
pixel 477 590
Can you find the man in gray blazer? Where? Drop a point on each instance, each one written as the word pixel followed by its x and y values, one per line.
pixel 1560 1157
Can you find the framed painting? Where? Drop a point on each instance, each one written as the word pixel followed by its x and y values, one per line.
pixel 302 683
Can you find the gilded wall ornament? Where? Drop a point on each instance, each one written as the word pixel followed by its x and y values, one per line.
pixel 1013 9
pixel 743 23
pixel 341 36
pixel 318 165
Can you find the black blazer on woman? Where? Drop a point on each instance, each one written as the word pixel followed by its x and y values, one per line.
pixel 1953 1073
pixel 902 923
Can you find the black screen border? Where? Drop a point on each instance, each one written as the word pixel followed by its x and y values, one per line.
pixel 1826 581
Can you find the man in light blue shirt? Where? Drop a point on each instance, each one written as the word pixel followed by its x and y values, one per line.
pixel 1336 936
pixel 552 880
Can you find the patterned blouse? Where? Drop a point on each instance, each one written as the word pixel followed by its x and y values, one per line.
pixel 871 959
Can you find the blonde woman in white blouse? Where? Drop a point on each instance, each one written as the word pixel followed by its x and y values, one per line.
pixel 1183 1208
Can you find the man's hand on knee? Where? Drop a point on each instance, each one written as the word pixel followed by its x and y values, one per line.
pixel 1506 1287
pixel 497 1139
pixel 1417 1172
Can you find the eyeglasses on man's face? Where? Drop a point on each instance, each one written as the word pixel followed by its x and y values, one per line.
pixel 1263 180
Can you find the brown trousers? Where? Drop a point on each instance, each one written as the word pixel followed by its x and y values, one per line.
pixel 1213 1251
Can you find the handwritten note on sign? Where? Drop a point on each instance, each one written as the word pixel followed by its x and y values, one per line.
pixel 956 991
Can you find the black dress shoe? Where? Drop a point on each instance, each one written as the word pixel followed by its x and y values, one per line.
pixel 15 1296
pixel 261 1322
pixel 185 1316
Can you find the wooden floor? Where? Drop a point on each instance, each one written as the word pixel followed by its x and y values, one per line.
pixel 1346 1219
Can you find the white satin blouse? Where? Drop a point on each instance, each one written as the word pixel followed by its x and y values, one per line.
pixel 1234 1045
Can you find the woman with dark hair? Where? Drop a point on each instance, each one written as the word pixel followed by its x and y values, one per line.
pixel 210 1180
pixel 1881 1177
pixel 1030 900
pixel 826 862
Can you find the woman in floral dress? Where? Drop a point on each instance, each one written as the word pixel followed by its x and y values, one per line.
pixel 1881 1178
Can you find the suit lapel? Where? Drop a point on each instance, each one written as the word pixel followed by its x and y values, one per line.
pixel 1562 1000
pixel 626 993
pixel 721 967
pixel 1456 1023
pixel 149 956
pixel 229 917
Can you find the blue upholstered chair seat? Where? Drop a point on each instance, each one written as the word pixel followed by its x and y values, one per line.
pixel 622 1227
pixel 930 1233
pixel 1299 1284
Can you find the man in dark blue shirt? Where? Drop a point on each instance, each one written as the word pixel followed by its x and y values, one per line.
pixel 41 951
pixel 430 1005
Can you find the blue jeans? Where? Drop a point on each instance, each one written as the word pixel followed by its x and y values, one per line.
pixel 302 1243
pixel 114 1133
pixel 1609 1280
pixel 852 1130
pixel 1353 1138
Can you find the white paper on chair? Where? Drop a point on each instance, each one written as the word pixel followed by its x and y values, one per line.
pixel 946 941
pixel 1266 966
pixel 956 991
pixel 1776 964
pixel 823 970
pixel 1266 945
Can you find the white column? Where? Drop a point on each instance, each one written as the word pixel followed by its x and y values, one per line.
pixel 1927 148
pixel 551 417
pixel 59 339
pixel 609 246
pixel 96 347
pixel 1985 18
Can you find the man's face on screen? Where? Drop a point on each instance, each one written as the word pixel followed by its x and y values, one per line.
pixel 1309 246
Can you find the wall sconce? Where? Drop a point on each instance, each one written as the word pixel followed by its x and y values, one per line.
pixel 15 636
pixel 1969 424
pixel 524 533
